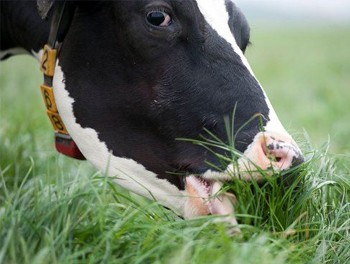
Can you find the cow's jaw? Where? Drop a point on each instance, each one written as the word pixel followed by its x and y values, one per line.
pixel 198 198
pixel 126 172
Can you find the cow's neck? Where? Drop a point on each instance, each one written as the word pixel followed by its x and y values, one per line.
pixel 21 28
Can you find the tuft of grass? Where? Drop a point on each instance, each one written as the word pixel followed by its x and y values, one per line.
pixel 87 219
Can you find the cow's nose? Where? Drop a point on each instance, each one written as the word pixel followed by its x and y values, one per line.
pixel 277 151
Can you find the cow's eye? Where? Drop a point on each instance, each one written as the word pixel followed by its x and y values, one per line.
pixel 159 18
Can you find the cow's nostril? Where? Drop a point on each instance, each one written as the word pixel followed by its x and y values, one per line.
pixel 269 152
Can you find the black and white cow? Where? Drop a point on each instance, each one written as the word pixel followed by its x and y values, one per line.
pixel 134 76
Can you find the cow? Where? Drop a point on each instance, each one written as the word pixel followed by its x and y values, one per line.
pixel 131 78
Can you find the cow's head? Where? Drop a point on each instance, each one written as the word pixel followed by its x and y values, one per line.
pixel 134 76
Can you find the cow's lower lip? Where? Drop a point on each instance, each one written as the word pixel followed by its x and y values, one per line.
pixel 203 186
pixel 204 198
pixel 208 191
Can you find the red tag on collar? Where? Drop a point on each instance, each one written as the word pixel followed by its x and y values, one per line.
pixel 66 145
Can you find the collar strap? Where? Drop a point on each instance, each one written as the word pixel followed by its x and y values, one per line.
pixel 63 12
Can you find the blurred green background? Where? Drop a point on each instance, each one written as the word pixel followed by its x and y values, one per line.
pixel 306 74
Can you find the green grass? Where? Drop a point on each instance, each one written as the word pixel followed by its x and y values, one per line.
pixel 57 210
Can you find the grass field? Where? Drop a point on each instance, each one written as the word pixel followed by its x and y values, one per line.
pixel 56 210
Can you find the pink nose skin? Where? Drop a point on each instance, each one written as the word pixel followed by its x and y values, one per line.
pixel 273 151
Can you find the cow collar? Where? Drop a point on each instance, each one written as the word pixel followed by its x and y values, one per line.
pixel 63 12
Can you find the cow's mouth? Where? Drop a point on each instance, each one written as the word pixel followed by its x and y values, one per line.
pixel 205 197
pixel 202 186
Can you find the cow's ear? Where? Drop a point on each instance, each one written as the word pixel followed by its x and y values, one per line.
pixel 239 26
pixel 44 7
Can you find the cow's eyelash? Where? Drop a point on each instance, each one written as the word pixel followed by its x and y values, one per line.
pixel 159 9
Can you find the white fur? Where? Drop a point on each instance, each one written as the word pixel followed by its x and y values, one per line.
pixel 215 13
pixel 129 173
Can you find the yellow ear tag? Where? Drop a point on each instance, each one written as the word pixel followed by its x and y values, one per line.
pixel 48 61
pixel 49 98
pixel 57 122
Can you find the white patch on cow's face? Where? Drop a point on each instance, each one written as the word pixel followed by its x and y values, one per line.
pixel 217 16
pixel 129 173
pixel 12 51
pixel 215 13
